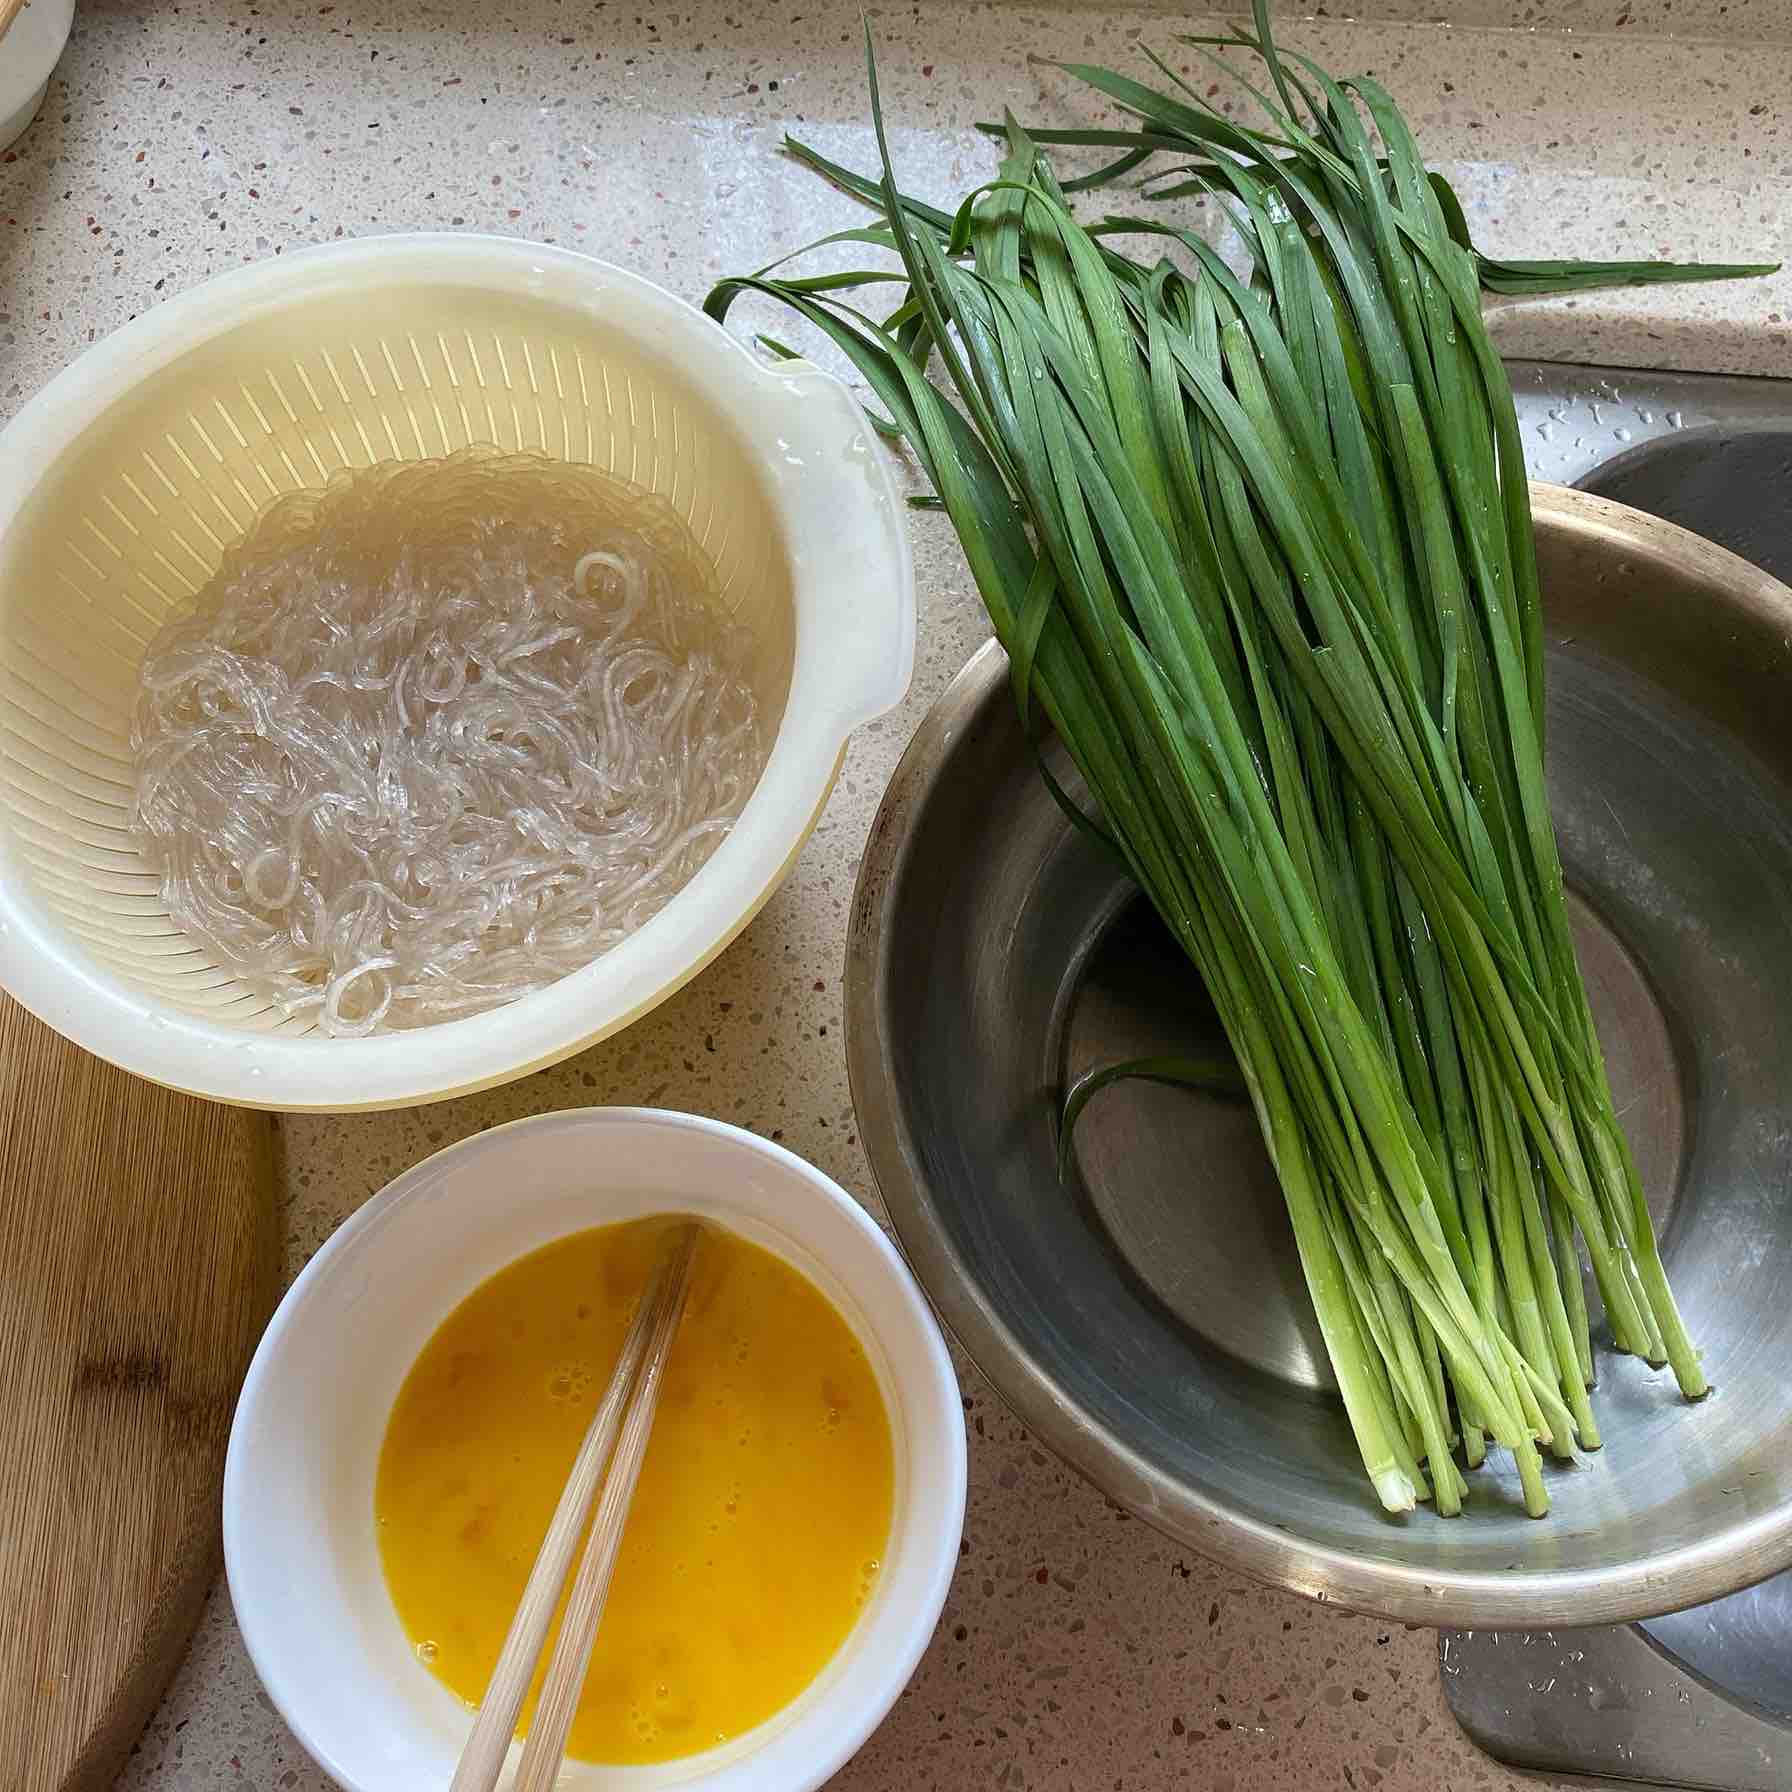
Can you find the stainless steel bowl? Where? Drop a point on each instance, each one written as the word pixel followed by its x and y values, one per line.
pixel 1148 1319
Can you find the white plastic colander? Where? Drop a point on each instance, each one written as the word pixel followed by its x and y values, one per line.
pixel 126 478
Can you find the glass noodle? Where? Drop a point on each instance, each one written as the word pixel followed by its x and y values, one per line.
pixel 439 733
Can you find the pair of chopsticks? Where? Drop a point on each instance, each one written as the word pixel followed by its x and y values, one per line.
pixel 617 1440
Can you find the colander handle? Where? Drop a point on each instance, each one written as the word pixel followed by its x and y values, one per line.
pixel 849 535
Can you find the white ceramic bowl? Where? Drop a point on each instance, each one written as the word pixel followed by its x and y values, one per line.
pixel 299 1541
pixel 124 480
pixel 29 52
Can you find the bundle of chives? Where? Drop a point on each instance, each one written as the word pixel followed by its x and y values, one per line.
pixel 1260 549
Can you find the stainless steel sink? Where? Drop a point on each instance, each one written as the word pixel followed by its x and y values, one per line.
pixel 1702 1698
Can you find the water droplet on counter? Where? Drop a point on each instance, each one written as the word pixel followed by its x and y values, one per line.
pixel 1622 435
pixel 1676 420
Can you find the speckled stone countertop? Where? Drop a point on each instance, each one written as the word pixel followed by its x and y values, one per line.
pixel 1078 1649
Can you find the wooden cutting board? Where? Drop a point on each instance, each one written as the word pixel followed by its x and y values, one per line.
pixel 138 1265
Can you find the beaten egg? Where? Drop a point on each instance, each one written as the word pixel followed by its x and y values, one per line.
pixel 763 1509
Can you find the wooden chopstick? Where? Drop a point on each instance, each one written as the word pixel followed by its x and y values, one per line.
pixel 649 1337
pixel 9 10
pixel 546 1742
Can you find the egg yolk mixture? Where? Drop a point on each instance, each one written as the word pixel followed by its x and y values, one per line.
pixel 763 1508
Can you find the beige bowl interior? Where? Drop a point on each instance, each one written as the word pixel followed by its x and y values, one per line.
pixel 132 519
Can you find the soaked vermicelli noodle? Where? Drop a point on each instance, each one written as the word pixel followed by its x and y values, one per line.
pixel 439 733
